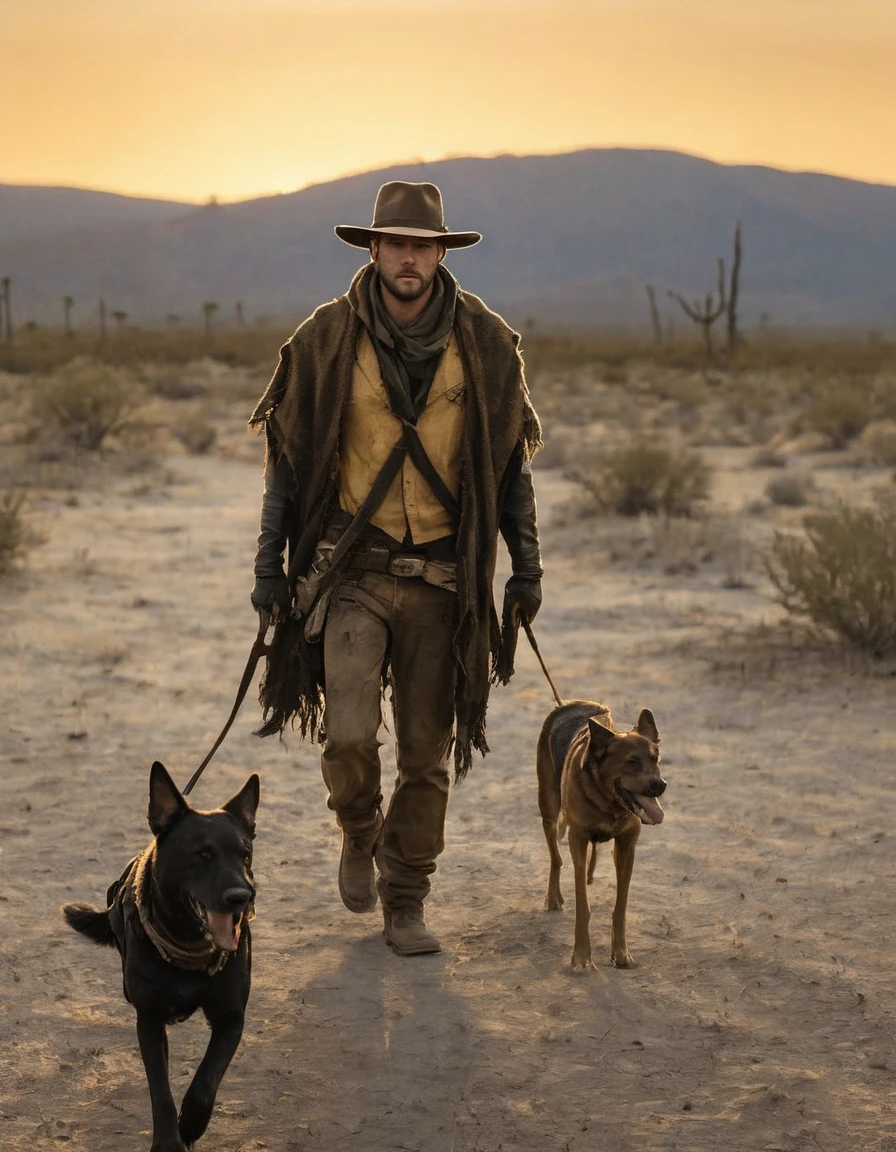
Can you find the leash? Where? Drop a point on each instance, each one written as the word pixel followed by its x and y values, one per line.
pixel 258 649
pixel 528 630
pixel 374 498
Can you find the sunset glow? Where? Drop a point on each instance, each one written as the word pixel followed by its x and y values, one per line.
pixel 238 98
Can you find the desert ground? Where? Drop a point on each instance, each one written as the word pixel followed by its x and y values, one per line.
pixel 760 1015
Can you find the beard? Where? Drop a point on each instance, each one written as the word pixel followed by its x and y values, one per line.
pixel 410 289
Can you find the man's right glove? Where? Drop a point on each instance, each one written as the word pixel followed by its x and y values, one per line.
pixel 270 592
pixel 522 592
pixel 271 585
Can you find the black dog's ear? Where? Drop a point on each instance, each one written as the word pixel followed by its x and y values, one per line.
pixel 165 801
pixel 242 806
pixel 646 726
pixel 599 738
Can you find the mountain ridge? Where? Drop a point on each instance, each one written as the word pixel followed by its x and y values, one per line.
pixel 569 238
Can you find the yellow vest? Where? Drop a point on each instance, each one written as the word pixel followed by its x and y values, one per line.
pixel 371 429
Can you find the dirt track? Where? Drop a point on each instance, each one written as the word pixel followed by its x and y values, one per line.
pixel 761 916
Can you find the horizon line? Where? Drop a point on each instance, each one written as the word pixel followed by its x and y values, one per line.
pixel 215 200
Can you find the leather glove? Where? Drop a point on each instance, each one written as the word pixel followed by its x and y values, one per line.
pixel 270 592
pixel 519 527
pixel 522 599
pixel 522 592
pixel 271 585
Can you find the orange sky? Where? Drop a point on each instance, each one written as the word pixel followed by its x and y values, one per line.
pixel 237 98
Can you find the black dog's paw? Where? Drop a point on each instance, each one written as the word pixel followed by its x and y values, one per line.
pixel 172 1145
pixel 195 1114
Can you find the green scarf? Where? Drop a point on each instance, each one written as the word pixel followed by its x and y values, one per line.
pixel 407 356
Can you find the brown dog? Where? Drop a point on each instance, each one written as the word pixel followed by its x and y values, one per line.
pixel 601 785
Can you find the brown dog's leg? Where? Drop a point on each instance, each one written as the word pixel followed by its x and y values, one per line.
pixel 624 859
pixel 592 861
pixel 553 902
pixel 578 849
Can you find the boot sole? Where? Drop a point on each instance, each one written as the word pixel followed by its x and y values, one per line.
pixel 421 950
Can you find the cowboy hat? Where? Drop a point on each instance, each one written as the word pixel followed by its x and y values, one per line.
pixel 404 209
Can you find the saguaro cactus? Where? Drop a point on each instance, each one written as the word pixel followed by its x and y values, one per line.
pixel 7 312
pixel 654 316
pixel 209 308
pixel 705 312
pixel 733 293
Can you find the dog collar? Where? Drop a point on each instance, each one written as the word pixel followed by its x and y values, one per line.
pixel 204 955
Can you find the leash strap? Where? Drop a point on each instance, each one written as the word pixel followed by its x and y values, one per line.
pixel 258 649
pixel 528 630
pixel 410 444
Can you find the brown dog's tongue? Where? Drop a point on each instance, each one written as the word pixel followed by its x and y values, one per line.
pixel 651 813
pixel 223 931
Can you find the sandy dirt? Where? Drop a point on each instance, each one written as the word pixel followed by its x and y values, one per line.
pixel 760 1014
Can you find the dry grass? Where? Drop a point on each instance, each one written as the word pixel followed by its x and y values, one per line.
pixel 13 530
pixel 648 477
pixel 633 422
pixel 841 573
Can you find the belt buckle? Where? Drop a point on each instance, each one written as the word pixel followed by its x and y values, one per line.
pixel 407 565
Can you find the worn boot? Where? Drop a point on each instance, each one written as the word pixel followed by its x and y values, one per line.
pixel 357 881
pixel 404 929
pixel 407 934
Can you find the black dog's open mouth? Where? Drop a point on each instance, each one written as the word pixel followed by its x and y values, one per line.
pixel 646 808
pixel 223 929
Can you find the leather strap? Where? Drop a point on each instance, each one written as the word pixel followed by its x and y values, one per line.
pixel 427 470
pixel 372 501
pixel 410 444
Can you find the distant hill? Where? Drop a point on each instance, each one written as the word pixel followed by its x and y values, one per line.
pixel 572 239
pixel 32 213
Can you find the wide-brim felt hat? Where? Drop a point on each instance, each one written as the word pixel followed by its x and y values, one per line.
pixel 405 209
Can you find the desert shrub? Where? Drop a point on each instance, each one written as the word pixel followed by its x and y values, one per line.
pixel 13 536
pixel 790 490
pixel 840 411
pixel 84 402
pixel 841 573
pixel 197 434
pixel 648 477
pixel 878 442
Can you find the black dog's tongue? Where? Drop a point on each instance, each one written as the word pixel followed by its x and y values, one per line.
pixel 223 930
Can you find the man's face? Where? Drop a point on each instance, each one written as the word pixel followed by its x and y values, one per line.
pixel 407 265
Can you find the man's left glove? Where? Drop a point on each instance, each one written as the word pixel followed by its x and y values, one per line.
pixel 522 592
pixel 522 599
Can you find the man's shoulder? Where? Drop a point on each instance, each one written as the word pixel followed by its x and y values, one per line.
pixel 475 314
pixel 324 321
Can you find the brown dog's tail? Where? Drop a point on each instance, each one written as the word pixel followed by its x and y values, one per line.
pixel 89 921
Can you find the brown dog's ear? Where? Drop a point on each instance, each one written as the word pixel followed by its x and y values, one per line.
pixel 242 806
pixel 165 801
pixel 646 726
pixel 599 738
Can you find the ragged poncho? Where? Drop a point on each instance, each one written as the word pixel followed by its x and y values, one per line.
pixel 301 412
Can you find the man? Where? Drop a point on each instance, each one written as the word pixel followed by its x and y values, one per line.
pixel 399 433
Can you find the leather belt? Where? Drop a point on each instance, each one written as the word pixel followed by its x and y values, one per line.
pixel 441 573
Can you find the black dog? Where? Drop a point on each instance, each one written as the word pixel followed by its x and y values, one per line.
pixel 179 917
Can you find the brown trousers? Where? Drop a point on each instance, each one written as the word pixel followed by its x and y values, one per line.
pixel 377 620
